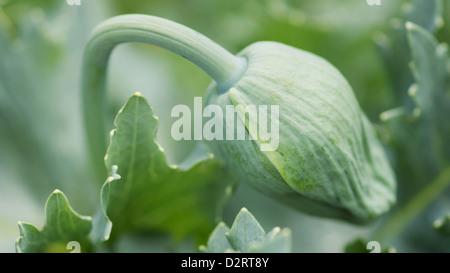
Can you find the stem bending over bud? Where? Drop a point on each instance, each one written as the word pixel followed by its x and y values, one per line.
pixel 221 65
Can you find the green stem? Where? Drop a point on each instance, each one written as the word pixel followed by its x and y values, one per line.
pixel 222 66
pixel 398 221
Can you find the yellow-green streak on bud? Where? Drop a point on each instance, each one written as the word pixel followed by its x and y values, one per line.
pixel 329 161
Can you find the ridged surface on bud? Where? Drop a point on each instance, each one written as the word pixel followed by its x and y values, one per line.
pixel 329 161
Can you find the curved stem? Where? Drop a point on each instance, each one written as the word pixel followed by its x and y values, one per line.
pixel 413 208
pixel 221 65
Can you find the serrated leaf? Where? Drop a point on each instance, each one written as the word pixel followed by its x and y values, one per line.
pixel 442 225
pixel 425 13
pixel 151 195
pixel 62 225
pixel 429 67
pixel 430 92
pixel 418 129
pixel 247 236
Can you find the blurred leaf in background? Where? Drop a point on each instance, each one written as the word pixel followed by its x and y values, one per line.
pixel 417 130
pixel 36 83
pixel 247 236
pixel 396 52
pixel 362 246
pixel 62 226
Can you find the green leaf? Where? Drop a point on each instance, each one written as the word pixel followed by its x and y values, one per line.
pixel 442 225
pixel 422 136
pixel 62 225
pixel 246 235
pixel 101 229
pixel 146 193
pixel 425 13
pixel 357 246
pixel 418 129
pixel 361 245
pixel 429 67
pixel 277 240
pixel 431 91
pixel 324 157
pixel 244 231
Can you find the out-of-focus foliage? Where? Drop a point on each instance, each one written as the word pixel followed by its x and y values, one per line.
pixel 339 31
pixel 145 193
pixel 62 226
pixel 442 225
pixel 362 246
pixel 416 126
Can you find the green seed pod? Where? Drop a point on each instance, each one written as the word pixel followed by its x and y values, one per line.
pixel 325 159
pixel 329 161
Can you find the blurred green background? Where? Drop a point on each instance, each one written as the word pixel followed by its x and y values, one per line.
pixel 41 134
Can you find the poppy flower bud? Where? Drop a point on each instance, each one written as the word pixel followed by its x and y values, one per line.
pixel 328 160
pixel 307 142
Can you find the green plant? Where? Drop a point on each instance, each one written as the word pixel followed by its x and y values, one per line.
pixel 328 160
pixel 417 130
pixel 361 185
pixel 144 193
pixel 247 235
